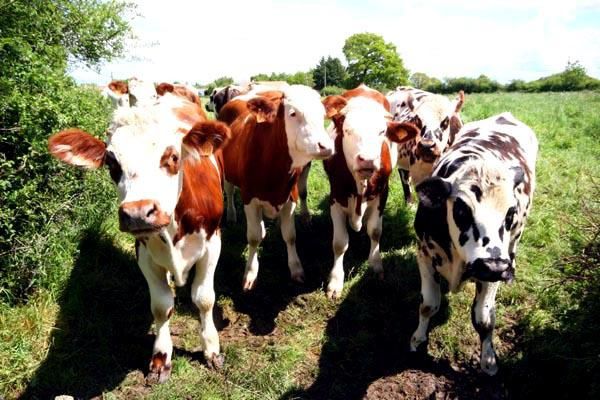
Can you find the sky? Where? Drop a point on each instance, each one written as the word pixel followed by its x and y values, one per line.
pixel 199 41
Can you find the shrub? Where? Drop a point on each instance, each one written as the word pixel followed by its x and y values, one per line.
pixel 332 90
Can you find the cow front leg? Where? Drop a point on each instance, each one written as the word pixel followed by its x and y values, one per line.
pixel 203 295
pixel 483 316
pixel 288 231
pixel 340 245
pixel 255 232
pixel 161 304
pixel 431 297
pixel 404 178
pixel 303 193
pixel 374 227
pixel 229 195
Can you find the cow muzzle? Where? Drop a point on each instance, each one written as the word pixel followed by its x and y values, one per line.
pixel 490 270
pixel 142 217
pixel 427 150
pixel 365 168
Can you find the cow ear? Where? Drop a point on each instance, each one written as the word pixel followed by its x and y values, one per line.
pixel 519 175
pixel 433 191
pixel 263 109
pixel 205 138
pixel 119 87
pixel 401 132
pixel 163 88
pixel 78 148
pixel 333 105
pixel 411 102
pixel 460 100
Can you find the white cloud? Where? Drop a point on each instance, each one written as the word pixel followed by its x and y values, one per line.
pixel 504 39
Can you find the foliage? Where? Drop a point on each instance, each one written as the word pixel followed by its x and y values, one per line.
pixel 331 90
pixel 37 39
pixel 329 72
pixel 298 78
pixel 374 62
pixel 573 78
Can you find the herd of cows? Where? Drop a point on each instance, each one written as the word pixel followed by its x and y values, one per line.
pixel 171 166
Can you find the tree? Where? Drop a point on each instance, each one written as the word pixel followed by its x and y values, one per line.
pixel 374 62
pixel 219 82
pixel 329 72
pixel 298 78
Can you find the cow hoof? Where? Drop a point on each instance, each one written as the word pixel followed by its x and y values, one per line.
pixel 298 277
pixel 215 361
pixel 158 375
pixel 248 284
pixel 333 294
pixel 305 219
pixel 415 342
pixel 380 275
pixel 489 365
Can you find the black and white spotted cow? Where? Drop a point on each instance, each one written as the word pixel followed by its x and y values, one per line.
pixel 439 120
pixel 470 217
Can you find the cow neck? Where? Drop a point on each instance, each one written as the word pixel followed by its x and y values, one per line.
pixel 272 177
pixel 342 182
pixel 200 204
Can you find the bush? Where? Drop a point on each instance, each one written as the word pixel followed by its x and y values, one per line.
pixel 332 90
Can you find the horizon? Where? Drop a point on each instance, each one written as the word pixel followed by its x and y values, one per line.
pixel 503 40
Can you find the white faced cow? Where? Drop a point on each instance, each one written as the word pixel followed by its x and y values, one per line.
pixel 359 171
pixel 274 135
pixel 438 120
pixel 470 218
pixel 169 181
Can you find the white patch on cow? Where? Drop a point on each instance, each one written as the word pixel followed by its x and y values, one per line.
pixel 141 93
pixel 364 130
pixel 117 99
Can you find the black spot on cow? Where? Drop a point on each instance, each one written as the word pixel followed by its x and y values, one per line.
pixel 436 261
pixel 477 190
pixel 431 225
pixel 495 252
pixel 412 159
pixel 478 286
pixel 509 218
pixel 449 167
pixel 463 238
pixel 471 134
pixel 436 277
pixel 501 232
pixel 430 245
pixel 475 233
pixel 485 241
pixel 512 256
pixel 504 121
pixel 462 214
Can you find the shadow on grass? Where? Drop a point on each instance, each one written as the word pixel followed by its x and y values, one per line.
pixel 101 330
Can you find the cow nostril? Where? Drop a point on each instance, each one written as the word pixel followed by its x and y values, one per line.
pixel 360 159
pixel 151 211
pixel 321 147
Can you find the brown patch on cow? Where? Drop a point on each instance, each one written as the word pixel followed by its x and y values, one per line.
pixel 76 147
pixel 256 158
pixel 170 312
pixel 455 126
pixel 170 160
pixel 200 204
pixel 401 132
pixel 206 137
pixel 333 105
pixel 159 360
pixel 163 88
pixel 189 114
pixel 365 91
pixel 461 101
pixel 425 311
pixel 120 87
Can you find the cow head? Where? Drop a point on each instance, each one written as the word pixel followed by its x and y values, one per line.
pixel 144 154
pixel 364 125
pixel 141 93
pixel 439 120
pixel 118 93
pixel 482 210
pixel 303 114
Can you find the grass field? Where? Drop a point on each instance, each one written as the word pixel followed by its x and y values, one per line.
pixel 89 336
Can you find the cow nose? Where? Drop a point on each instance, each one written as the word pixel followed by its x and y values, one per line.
pixel 324 151
pixel 491 269
pixel 366 166
pixel 142 216
pixel 426 143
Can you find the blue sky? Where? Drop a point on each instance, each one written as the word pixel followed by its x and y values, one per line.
pixel 199 41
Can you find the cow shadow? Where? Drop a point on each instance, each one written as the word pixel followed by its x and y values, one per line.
pixel 101 332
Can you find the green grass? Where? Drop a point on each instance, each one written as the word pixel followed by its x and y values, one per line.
pixel 88 334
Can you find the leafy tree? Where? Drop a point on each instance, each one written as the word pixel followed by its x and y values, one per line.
pixel 219 82
pixel 38 41
pixel 374 62
pixel 298 78
pixel 329 72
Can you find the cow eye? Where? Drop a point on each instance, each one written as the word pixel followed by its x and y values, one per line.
pixel 508 220
pixel 292 113
pixel 382 133
pixel 114 168
pixel 444 124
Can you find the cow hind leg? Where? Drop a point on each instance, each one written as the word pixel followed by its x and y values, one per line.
pixel 303 193
pixel 404 178
pixel 340 245
pixel 255 232
pixel 288 231
pixel 374 227
pixel 431 297
pixel 229 194
pixel 483 316
pixel 203 295
pixel 161 302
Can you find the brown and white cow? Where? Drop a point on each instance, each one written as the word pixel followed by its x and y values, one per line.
pixel 359 171
pixel 181 91
pixel 470 218
pixel 273 136
pixel 169 182
pixel 118 93
pixel 438 120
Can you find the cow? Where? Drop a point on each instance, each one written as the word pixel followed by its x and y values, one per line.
pixel 141 93
pixel 358 172
pixel 118 93
pixel 274 135
pixel 220 96
pixel 181 91
pixel 438 119
pixel 164 159
pixel 470 217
